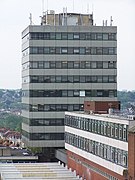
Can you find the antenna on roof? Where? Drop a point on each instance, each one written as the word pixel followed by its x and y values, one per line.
pixel 30 19
pixel 92 8
pixel 111 20
pixel 43 7
pixel 47 5
pixel 88 8
pixel 73 5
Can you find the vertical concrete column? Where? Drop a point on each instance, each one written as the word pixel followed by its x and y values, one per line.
pixel 131 155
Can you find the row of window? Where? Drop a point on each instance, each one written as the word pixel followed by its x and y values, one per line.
pixel 69 93
pixel 69 79
pixel 70 65
pixel 92 168
pixel 53 107
pixel 73 50
pixel 108 129
pixel 44 122
pixel 43 136
pixel 72 36
pixel 104 151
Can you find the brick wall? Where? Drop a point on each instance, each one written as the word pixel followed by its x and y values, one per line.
pixel 101 106
pixel 76 162
pixel 131 155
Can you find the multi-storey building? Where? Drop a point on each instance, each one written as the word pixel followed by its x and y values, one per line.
pixel 97 145
pixel 65 61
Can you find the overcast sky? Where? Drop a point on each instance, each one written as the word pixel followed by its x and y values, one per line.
pixel 14 18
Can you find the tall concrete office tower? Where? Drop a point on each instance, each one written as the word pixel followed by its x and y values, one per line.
pixel 65 60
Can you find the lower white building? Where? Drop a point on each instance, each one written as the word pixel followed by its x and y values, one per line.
pixel 97 145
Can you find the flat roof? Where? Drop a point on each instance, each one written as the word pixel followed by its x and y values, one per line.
pixel 111 116
pixel 35 171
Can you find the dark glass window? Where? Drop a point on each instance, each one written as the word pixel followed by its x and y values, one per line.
pixel 76 93
pixel 88 64
pixel 64 50
pixel 40 36
pixel 58 65
pixel 58 36
pixel 46 50
pixel 52 64
pixel 112 36
pixel 99 79
pixel 99 50
pixel 70 107
pixel 64 79
pixel 93 36
pixel 99 93
pixel 34 50
pixel 93 65
pixel 58 50
pixel 47 107
pixel 52 50
pixel 47 36
pixel 52 36
pixel 58 79
pixel 99 65
pixel 111 51
pixel 82 79
pixel 111 64
pixel 105 65
pixel 70 65
pixel 88 36
pixel 34 79
pixel 82 64
pixel 70 36
pixel 93 51
pixel 88 93
pixel 76 107
pixel 70 50
pixel 41 65
pixel 64 93
pixel 64 36
pixel 40 50
pixel 52 79
pixel 94 78
pixel 70 93
pixel 105 36
pixel 58 107
pixel 76 36
pixel 88 51
pixel 47 65
pixel 82 50
pixel 76 79
pixel 105 50
pixel 34 65
pixel 47 79
pixel 70 79
pixel 105 79
pixel 64 64
pixel 88 79
pixel 76 50
pixel 82 36
pixel 76 64
pixel 41 79
pixel 99 36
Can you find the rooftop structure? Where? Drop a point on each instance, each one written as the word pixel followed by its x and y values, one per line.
pixel 66 19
